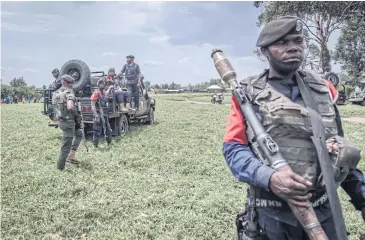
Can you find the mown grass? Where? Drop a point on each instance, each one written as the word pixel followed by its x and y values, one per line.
pixel 168 181
pixel 351 110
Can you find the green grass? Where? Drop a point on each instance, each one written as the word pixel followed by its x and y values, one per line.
pixel 350 110
pixel 168 181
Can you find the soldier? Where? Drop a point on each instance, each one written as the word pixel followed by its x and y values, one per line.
pixel 68 121
pixel 133 77
pixel 114 84
pixel 281 42
pixel 57 82
pixel 101 123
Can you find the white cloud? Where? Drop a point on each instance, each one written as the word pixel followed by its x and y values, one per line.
pixel 103 33
pixel 159 39
pixel 7 68
pixel 110 54
pixel 30 70
pixel 153 63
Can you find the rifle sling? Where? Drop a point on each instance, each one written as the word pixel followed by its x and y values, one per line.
pixel 325 163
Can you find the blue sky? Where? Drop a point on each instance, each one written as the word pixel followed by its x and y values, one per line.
pixel 171 41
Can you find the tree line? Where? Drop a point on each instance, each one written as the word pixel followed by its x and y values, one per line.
pixel 321 19
pixel 18 87
pixel 190 87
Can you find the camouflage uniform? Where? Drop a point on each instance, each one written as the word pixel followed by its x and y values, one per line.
pixel 98 130
pixel 72 134
pixel 283 115
pixel 131 71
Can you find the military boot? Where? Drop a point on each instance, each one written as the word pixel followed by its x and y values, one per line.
pixel 72 158
pixel 122 108
pixel 128 106
pixel 96 143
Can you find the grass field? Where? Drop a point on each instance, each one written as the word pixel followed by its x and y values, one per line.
pixel 168 181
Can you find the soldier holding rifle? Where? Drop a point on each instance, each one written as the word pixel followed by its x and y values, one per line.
pixel 101 120
pixel 285 139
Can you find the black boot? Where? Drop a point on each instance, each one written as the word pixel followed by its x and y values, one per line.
pixel 96 144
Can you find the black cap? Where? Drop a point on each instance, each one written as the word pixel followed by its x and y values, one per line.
pixel 278 28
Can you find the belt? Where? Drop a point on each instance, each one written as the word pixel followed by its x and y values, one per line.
pixel 282 205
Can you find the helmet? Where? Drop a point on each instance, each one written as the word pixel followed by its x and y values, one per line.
pixel 111 70
pixel 55 70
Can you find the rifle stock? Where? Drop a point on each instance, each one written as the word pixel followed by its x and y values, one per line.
pixel 264 146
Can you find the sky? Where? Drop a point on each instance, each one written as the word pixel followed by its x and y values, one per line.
pixel 171 41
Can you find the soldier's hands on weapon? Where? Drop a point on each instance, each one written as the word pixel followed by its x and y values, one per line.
pixel 290 186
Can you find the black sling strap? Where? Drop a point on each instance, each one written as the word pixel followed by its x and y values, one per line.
pixel 319 141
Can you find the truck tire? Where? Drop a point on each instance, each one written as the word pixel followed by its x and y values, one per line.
pixel 79 71
pixel 123 125
pixel 151 117
pixel 333 78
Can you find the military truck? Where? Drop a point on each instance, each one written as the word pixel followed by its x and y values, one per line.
pixel 84 86
pixel 358 97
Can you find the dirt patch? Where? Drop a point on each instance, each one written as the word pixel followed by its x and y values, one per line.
pixel 354 119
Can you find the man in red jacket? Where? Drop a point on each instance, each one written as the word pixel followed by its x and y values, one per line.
pixel 281 110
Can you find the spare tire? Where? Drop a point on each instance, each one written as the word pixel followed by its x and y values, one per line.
pixel 332 77
pixel 79 71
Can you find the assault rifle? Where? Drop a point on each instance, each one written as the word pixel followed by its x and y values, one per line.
pixel 264 146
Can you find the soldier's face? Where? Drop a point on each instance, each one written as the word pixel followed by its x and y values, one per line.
pixel 129 60
pixel 55 75
pixel 111 74
pixel 286 55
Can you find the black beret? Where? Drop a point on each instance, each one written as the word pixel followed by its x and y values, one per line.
pixel 130 56
pixel 68 78
pixel 278 28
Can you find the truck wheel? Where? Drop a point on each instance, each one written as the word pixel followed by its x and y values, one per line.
pixel 123 125
pixel 79 71
pixel 333 78
pixel 151 117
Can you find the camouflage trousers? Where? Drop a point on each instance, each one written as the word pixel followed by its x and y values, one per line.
pixel 98 130
pixel 134 90
pixel 71 140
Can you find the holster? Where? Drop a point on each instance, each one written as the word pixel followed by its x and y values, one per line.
pixel 246 222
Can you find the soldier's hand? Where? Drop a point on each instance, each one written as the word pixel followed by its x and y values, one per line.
pixel 290 186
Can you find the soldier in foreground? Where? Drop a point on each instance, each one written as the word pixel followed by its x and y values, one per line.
pixel 101 120
pixel 284 115
pixel 133 77
pixel 69 119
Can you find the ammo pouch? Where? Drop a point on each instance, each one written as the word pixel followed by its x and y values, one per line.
pixel 345 158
